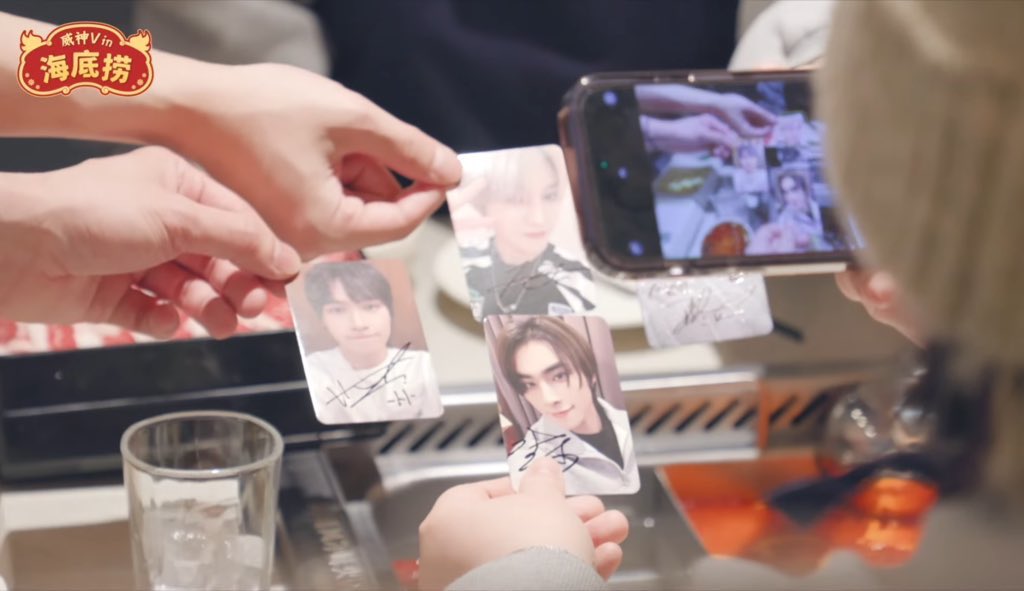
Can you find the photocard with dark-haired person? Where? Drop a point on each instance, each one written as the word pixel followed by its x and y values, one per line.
pixel 362 344
pixel 559 397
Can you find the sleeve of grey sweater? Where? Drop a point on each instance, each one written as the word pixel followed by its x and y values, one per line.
pixel 543 569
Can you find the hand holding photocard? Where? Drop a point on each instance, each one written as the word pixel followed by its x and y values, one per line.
pixel 362 344
pixel 559 397
pixel 518 236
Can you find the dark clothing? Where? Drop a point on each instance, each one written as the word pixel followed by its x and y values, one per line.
pixel 552 283
pixel 490 74
pixel 604 440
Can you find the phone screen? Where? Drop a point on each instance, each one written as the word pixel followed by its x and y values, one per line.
pixel 723 172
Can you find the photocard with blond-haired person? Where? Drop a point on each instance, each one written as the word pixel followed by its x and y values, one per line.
pixel 518 235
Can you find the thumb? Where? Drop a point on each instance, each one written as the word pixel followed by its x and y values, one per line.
pixel 467 192
pixel 543 478
pixel 759 117
pixel 744 128
pixel 880 288
pixel 405 149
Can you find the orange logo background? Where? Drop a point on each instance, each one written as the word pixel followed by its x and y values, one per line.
pixel 85 54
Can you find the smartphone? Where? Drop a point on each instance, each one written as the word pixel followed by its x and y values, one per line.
pixel 687 172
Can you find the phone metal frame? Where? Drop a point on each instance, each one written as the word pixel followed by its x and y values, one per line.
pixel 575 148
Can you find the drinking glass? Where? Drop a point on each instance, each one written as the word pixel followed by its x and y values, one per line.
pixel 202 493
pixel 876 418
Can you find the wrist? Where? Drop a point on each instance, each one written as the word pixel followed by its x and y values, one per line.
pixel 704 102
pixel 166 114
pixel 150 117
pixel 22 229
pixel 160 115
pixel 650 130
pixel 177 111
pixel 192 108
pixel 26 206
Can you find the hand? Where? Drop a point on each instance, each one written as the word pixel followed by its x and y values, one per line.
pixel 313 157
pixel 743 115
pixel 881 298
pixel 773 238
pixel 463 208
pixel 473 524
pixel 688 134
pixel 128 238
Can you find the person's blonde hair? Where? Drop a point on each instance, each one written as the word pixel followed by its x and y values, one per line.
pixel 505 173
pixel 927 153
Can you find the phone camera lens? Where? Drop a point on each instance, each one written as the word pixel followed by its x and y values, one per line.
pixel 623 173
pixel 636 248
pixel 610 98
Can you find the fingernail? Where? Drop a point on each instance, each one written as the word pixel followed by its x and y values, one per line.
pixel 253 303
pixel 446 168
pixel 162 321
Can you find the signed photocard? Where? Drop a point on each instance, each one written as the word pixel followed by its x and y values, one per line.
pixel 518 236
pixel 706 309
pixel 362 345
pixel 559 397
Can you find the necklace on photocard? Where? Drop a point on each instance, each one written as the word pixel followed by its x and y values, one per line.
pixel 517 277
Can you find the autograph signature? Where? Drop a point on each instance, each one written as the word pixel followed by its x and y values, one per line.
pixel 385 377
pixel 708 309
pixel 696 305
pixel 548 274
pixel 527 281
pixel 552 446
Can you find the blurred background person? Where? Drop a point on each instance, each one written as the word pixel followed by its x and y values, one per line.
pixel 940 209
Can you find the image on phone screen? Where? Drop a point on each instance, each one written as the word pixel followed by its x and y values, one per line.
pixel 712 172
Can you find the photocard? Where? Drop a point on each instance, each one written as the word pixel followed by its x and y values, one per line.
pixel 789 130
pixel 362 344
pixel 704 309
pixel 559 396
pixel 750 172
pixel 796 224
pixel 518 237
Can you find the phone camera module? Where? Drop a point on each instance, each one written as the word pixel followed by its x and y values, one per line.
pixel 636 248
pixel 610 98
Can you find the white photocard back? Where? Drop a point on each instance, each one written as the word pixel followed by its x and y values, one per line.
pixel 518 235
pixel 704 309
pixel 363 348
pixel 559 396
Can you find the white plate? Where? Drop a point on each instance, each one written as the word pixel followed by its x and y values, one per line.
pixel 615 303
